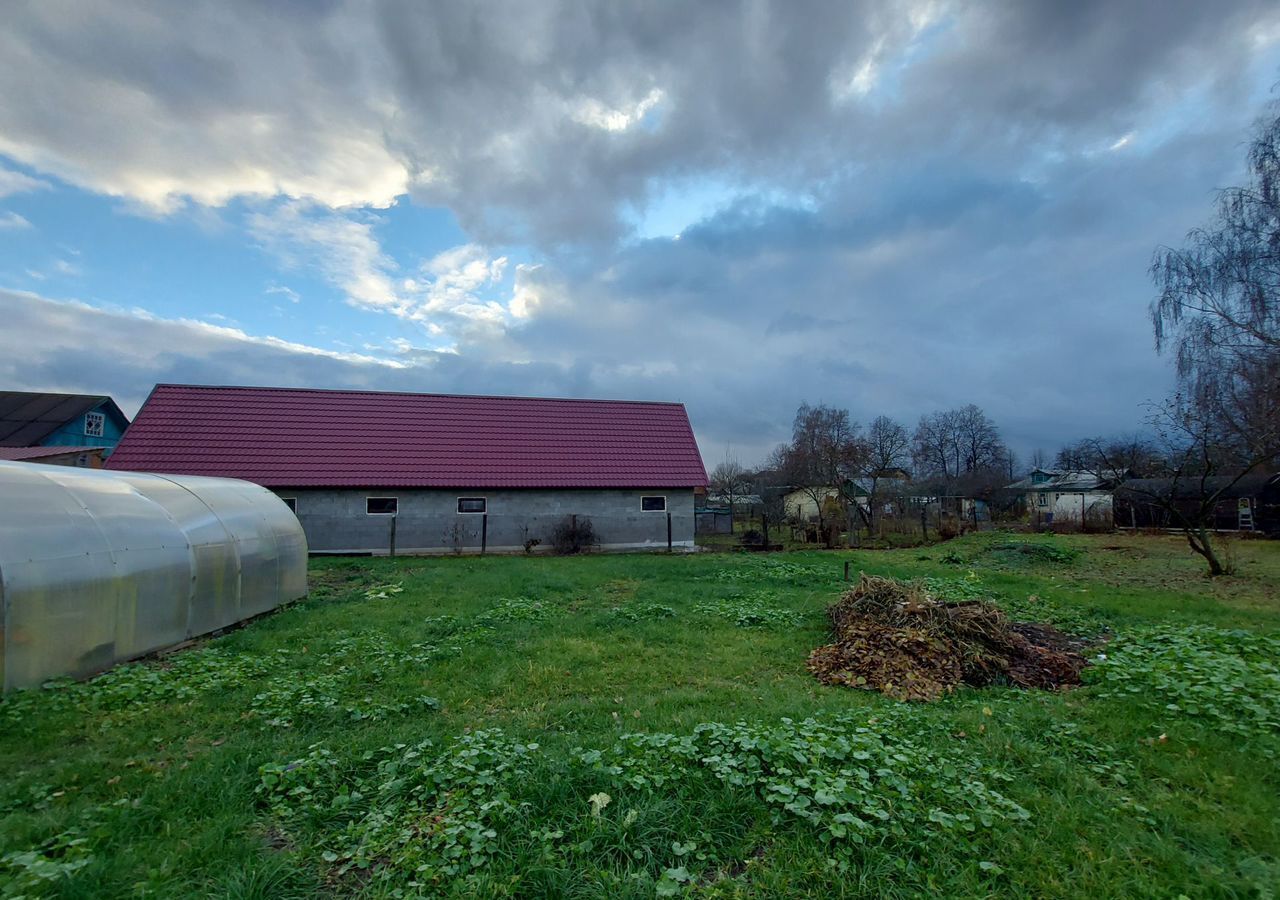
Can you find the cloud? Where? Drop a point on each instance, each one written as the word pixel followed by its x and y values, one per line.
pixel 445 294
pixel 594 113
pixel 545 122
pixel 66 345
pixel 11 221
pixel 207 103
pixel 12 182
pixel 452 282
pixel 342 249
pixel 287 292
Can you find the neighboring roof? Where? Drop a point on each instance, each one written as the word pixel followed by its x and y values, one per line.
pixel 288 437
pixel 1139 489
pixel 738 499
pixel 26 418
pixel 16 453
pixel 1067 481
pixel 827 490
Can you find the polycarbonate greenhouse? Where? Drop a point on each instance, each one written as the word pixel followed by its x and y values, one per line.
pixel 98 567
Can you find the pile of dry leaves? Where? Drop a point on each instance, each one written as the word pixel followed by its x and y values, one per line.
pixel 897 638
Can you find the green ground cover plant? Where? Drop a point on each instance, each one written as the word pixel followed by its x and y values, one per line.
pixel 602 726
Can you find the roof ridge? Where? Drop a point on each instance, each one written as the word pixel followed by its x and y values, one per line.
pixel 366 391
pixel 57 394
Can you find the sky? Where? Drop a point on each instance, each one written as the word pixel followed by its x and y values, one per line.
pixel 893 208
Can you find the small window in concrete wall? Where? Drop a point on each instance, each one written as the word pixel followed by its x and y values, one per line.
pixel 653 504
pixel 94 424
pixel 472 505
pixel 381 506
pixel 292 503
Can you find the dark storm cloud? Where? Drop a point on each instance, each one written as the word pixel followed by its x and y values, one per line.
pixel 501 110
pixel 929 204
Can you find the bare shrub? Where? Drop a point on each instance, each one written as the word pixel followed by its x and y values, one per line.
pixel 574 534
pixel 528 540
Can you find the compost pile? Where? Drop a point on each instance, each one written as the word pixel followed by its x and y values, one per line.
pixel 897 638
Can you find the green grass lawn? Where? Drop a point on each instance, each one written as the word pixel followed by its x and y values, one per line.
pixel 644 725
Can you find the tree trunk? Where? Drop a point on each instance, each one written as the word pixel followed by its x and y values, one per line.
pixel 1202 544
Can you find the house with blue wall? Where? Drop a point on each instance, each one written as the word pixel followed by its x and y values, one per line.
pixel 69 421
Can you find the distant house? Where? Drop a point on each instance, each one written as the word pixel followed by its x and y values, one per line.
pixel 64 429
pixel 1060 497
pixel 81 457
pixel 802 503
pixel 429 473
pixel 893 479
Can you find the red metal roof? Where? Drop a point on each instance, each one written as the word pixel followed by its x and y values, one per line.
pixel 287 437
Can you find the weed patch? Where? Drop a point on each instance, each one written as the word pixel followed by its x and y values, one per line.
pixel 754 568
pixel 755 610
pixel 1228 679
pixel 642 612
pixel 291 684
pixel 137 687
pixel 1019 553
pixel 38 870
pixel 420 816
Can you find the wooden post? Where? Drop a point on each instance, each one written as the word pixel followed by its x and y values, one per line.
pixel 392 549
pixel 764 522
pixel 924 523
pixel 669 530
pixel 846 570
pixel 484 533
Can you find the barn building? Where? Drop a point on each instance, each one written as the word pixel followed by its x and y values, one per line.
pixel 1248 503
pixel 378 472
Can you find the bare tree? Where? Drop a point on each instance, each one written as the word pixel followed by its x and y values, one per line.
pixel 825 449
pixel 1218 307
pixel 978 441
pixel 1133 455
pixel 1199 468
pixel 888 448
pixel 1218 310
pixel 957 442
pixel 1073 457
pixel 1039 458
pixel 729 480
pixel 935 446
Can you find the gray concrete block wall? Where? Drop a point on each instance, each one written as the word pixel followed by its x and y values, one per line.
pixel 428 521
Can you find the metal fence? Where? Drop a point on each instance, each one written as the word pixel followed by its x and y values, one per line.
pixel 99 567
pixel 408 533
